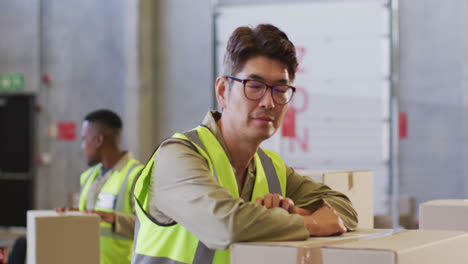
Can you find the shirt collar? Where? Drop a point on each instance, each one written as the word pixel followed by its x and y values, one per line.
pixel 123 161
pixel 210 121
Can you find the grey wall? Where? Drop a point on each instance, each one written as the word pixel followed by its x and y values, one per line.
pixel 183 50
pixel 19 43
pixel 465 100
pixel 431 93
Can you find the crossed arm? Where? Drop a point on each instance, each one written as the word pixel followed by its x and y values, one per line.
pixel 324 221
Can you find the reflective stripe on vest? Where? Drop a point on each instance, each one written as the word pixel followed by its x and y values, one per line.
pixel 91 172
pixel 203 255
pixel 120 206
pixel 84 186
pixel 273 181
pixel 267 162
pixel 120 203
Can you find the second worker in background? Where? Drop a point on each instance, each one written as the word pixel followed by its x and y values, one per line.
pixel 106 186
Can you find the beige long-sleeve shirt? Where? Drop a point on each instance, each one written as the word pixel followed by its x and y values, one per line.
pixel 184 190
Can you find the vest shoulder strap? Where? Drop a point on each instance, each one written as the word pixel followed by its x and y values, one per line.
pixel 89 175
pixel 272 178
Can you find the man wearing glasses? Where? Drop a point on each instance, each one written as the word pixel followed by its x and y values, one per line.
pixel 212 186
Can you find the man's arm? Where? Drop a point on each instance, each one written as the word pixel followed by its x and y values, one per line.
pixel 184 190
pixel 122 223
pixel 312 196
pixel 322 222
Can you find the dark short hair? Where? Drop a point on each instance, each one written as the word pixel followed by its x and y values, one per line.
pixel 263 40
pixel 106 117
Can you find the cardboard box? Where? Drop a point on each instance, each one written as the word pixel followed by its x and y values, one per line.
pixel 408 247
pixel 444 214
pixel 358 186
pixel 304 252
pixel 71 237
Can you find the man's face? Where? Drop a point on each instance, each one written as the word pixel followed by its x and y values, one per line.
pixel 260 119
pixel 89 142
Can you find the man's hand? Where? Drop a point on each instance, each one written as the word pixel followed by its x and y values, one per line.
pixel 108 217
pixel 324 222
pixel 65 209
pixel 272 200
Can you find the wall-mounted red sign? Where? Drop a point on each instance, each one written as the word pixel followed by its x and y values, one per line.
pixel 66 130
pixel 403 125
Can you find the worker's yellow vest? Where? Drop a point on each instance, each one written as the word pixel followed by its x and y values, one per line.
pixel 115 196
pixel 172 243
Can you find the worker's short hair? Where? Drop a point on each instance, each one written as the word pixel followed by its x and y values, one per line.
pixel 263 40
pixel 105 117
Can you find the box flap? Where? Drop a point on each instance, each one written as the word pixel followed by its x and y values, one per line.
pixel 403 241
pixel 454 202
pixel 313 241
pixel 307 251
pixel 409 247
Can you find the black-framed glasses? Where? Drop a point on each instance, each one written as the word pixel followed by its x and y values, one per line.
pixel 255 90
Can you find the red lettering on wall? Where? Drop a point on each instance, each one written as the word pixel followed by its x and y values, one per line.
pixel 300 96
pixel 288 129
pixel 297 106
pixel 302 142
pixel 300 54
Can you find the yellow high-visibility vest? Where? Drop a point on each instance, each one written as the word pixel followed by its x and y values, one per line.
pixel 172 243
pixel 115 196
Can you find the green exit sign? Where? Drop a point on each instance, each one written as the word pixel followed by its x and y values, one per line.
pixel 11 82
